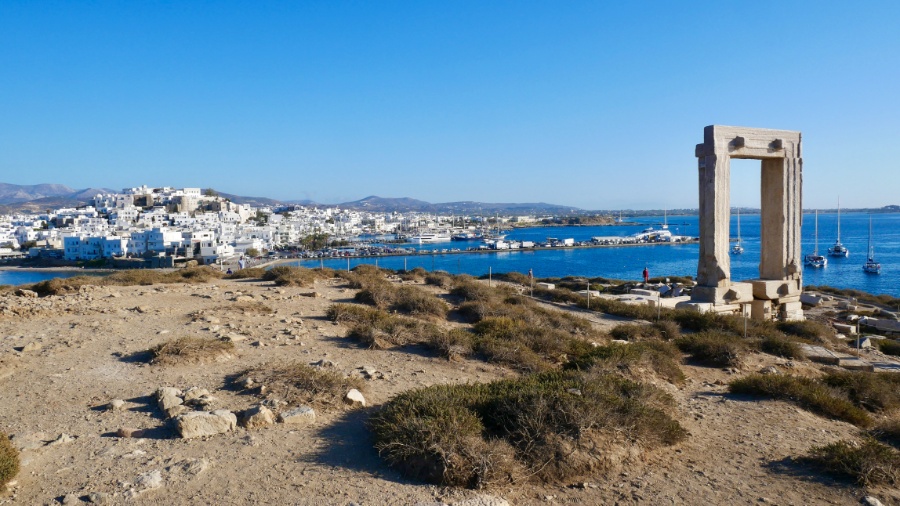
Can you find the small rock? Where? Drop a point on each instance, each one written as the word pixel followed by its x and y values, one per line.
pixel 174 411
pixel 99 498
pixel 769 370
pixel 129 432
pixel 149 481
pixel 32 346
pixel 204 423
pixel 299 415
pixel 871 501
pixel 324 363
pixel 355 398
pixel 167 402
pixel 62 439
pixel 115 405
pixel 258 416
pixel 21 292
pixel 70 499
pixel 194 393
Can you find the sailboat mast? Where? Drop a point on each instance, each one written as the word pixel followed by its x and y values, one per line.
pixel 816 250
pixel 871 252
pixel 839 220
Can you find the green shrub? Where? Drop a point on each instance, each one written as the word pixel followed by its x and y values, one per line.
pixel 869 463
pixel 809 394
pixel 418 302
pixel 888 346
pixel 713 348
pixel 781 347
pixel 548 425
pixel 872 391
pixel 668 330
pixel 9 461
pixel 440 279
pixel 806 329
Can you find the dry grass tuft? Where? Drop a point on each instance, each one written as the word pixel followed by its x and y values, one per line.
pixel 283 275
pixel 9 461
pixel 190 350
pixel 144 277
pixel 299 383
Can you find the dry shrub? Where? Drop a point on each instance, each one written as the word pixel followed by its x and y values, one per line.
pixel 548 426
pixel 62 286
pixel 349 313
pixel 888 431
pixel 132 277
pixel 9 461
pixel 876 392
pixel 250 307
pixel 807 393
pixel 659 357
pixel 377 292
pixel 633 332
pixel 868 463
pixel 299 383
pixel 378 329
pixel 283 275
pixel 249 273
pixel 418 302
pixel 713 348
pixel 453 345
pixel 416 274
pixel 190 350
pixel 440 279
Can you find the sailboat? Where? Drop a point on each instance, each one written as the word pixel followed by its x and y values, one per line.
pixel 871 266
pixel 838 249
pixel 737 249
pixel 816 260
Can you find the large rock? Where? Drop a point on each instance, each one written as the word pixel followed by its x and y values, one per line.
pixel 21 292
pixel 258 416
pixel 204 423
pixel 355 398
pixel 298 416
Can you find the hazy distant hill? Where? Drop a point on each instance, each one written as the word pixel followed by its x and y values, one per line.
pixel 382 204
pixel 12 193
pixel 253 201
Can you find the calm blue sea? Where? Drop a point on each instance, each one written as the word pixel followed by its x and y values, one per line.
pixel 31 276
pixel 627 262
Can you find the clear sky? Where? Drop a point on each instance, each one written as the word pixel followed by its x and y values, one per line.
pixel 590 104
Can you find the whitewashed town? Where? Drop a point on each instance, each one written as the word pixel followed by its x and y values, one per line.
pixel 168 225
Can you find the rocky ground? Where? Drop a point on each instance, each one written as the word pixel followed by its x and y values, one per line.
pixel 65 359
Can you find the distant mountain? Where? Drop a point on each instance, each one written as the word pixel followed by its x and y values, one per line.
pixel 13 193
pixel 406 204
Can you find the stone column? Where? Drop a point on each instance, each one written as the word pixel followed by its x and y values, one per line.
pixel 780 248
pixel 714 269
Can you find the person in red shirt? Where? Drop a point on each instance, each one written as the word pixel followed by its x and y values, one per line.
pixel 646 275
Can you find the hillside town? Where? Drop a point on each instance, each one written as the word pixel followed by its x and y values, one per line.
pixel 176 224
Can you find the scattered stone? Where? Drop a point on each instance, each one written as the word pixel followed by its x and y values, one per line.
pixel 487 500
pixel 167 400
pixel 129 432
pixel 204 423
pixel 314 295
pixel 21 292
pixel 32 346
pixel 258 416
pixel 574 391
pixel 190 467
pixel 871 501
pixel 769 370
pixel 70 499
pixel 324 363
pixel 61 440
pixel 243 298
pixel 99 498
pixel 147 481
pixel 174 411
pixel 355 398
pixel 115 405
pixel 194 393
pixel 297 416
pixel 141 309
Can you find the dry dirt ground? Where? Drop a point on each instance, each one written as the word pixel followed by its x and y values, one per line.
pixel 64 358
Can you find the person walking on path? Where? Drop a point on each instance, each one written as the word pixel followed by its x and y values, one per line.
pixel 646 275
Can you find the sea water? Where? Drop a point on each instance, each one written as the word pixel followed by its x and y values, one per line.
pixel 628 262
pixel 28 277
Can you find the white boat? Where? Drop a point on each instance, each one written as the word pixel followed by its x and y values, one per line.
pixel 429 238
pixel 815 260
pixel 871 266
pixel 737 249
pixel 838 249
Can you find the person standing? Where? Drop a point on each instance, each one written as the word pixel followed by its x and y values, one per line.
pixel 646 275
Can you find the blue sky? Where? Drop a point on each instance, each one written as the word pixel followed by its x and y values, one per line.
pixel 590 104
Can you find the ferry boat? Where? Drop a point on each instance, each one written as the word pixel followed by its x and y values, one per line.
pixel 466 236
pixel 429 238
